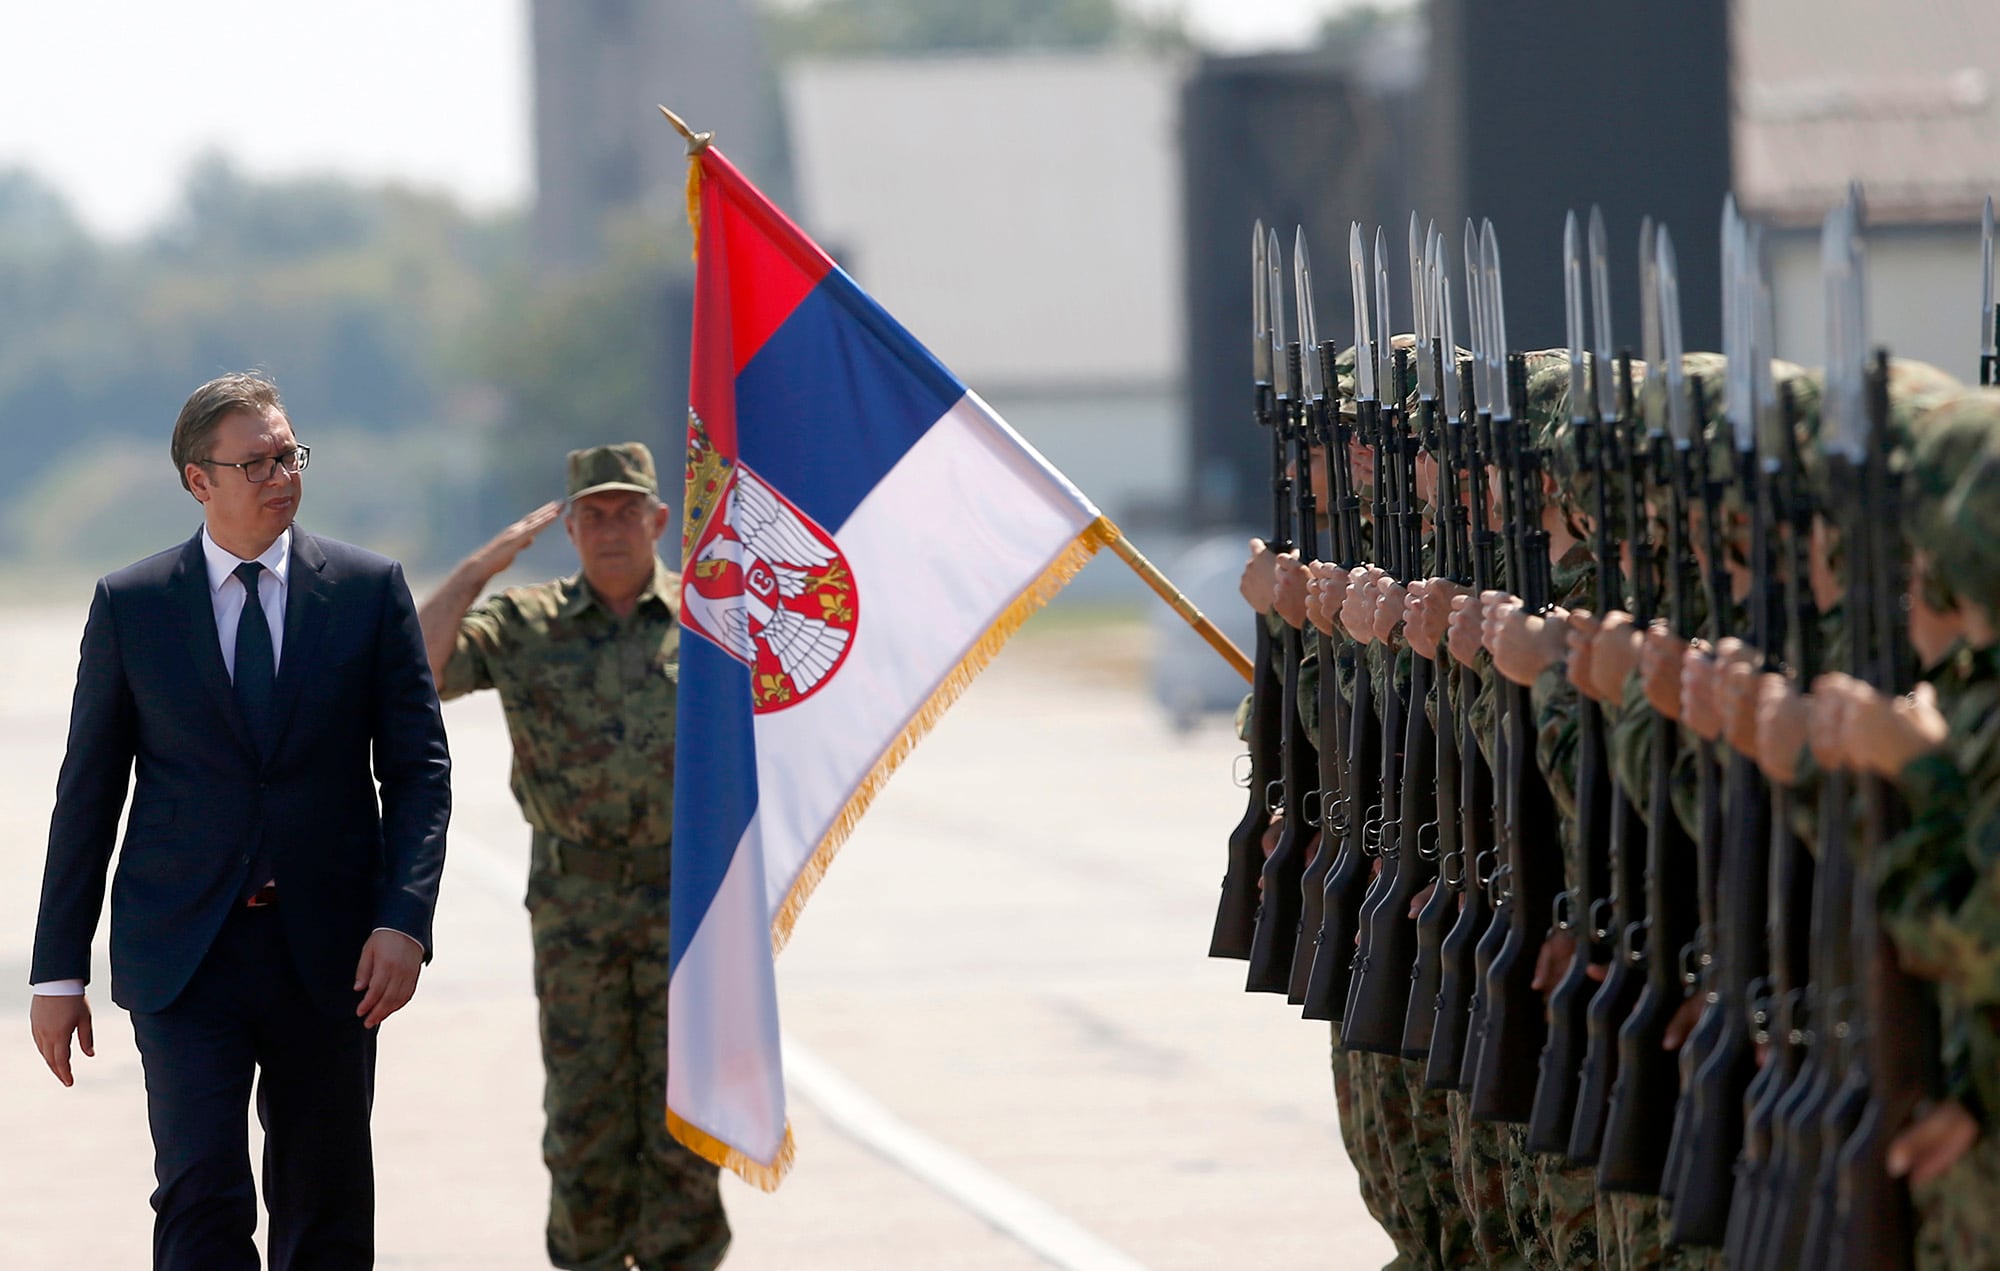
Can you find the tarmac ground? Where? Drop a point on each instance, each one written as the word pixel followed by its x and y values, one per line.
pixel 1010 1048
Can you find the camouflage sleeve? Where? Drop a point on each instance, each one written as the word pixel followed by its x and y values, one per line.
pixel 481 636
pixel 1243 720
pixel 1309 690
pixel 1628 740
pixel 1486 708
pixel 1557 704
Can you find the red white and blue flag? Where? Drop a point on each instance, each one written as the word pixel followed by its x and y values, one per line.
pixel 862 534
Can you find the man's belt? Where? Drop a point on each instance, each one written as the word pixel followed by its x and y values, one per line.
pixel 627 867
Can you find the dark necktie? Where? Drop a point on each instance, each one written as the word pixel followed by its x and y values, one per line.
pixel 256 665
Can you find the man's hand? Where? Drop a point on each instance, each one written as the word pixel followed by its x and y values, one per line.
pixel 53 1020
pixel 1288 590
pixel 1389 601
pixel 1681 1026
pixel 1326 587
pixel 1466 629
pixel 386 977
pixel 1259 576
pixel 1558 949
pixel 1701 708
pixel 1660 660
pixel 1782 714
pixel 1427 613
pixel 1524 644
pixel 1614 655
pixel 1739 705
pixel 502 548
pixel 1933 1143
pixel 1357 607
pixel 1884 734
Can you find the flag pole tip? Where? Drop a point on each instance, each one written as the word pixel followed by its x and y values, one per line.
pixel 696 141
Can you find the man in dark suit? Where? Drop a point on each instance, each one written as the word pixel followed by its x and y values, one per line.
pixel 274 892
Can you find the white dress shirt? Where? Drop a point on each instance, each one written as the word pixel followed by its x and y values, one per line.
pixel 226 594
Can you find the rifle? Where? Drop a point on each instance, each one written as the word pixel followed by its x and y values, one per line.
pixel 1876 1227
pixel 1440 911
pixel 1379 997
pixel 1459 969
pixel 1387 723
pixel 1315 431
pixel 1989 318
pixel 1357 739
pixel 1714 1104
pixel 1632 1153
pixel 1236 912
pixel 1817 1026
pixel 1277 925
pixel 1497 883
pixel 1612 1004
pixel 1503 1086
pixel 1593 413
pixel 1777 1016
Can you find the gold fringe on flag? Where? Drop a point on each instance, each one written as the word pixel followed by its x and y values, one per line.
pixel 1098 534
pixel 758 1174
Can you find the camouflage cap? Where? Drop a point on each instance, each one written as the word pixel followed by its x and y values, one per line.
pixel 1576 481
pixel 1948 441
pixel 1968 523
pixel 1914 389
pixel 627 465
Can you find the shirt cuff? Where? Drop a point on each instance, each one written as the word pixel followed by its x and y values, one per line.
pixel 58 988
pixel 406 935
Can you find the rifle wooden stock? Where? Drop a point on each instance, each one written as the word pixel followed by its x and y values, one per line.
pixel 1458 964
pixel 1611 1005
pixel 1277 926
pixel 1560 1073
pixel 1716 1099
pixel 1632 1155
pixel 1378 1000
pixel 1347 879
pixel 1236 911
pixel 1435 920
pixel 1381 845
pixel 1331 750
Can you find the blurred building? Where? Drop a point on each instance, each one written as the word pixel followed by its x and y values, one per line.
pixel 1905 101
pixel 1020 214
pixel 601 67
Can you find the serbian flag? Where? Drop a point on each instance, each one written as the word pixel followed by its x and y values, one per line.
pixel 862 535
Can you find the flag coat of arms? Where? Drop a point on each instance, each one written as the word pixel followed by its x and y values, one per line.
pixel 862 533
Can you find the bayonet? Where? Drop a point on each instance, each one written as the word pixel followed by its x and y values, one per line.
pixel 1475 315
pixel 1680 421
pixel 1452 401
pixel 1602 377
pixel 1274 270
pixel 1989 324
pixel 1260 309
pixel 1496 331
pixel 1420 310
pixel 1579 387
pixel 1309 385
pixel 1364 339
pixel 1385 353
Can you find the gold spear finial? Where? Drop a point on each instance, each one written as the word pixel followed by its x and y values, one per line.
pixel 697 141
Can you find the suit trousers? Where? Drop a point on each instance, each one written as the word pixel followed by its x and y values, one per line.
pixel 246 1020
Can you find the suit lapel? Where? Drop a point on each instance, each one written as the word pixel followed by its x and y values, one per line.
pixel 195 610
pixel 305 623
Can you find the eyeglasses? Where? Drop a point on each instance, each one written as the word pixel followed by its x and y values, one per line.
pixel 258 471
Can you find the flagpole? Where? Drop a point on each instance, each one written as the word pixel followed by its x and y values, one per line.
pixel 1177 601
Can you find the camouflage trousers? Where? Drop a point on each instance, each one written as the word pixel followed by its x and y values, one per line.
pixel 619 1183
pixel 1640 1237
pixel 1566 1212
pixel 1360 1134
pixel 1958 1213
pixel 1479 1168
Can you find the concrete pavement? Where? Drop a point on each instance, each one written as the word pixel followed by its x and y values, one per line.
pixel 1006 960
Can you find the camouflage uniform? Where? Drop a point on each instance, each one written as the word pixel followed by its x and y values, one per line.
pixel 589 699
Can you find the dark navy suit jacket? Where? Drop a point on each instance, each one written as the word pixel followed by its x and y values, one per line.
pixel 348 810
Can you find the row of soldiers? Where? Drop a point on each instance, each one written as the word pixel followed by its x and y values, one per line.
pixel 1625 769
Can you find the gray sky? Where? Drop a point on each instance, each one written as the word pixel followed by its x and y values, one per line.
pixel 111 100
